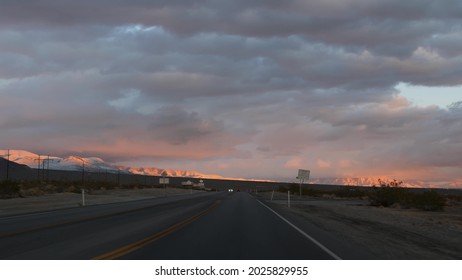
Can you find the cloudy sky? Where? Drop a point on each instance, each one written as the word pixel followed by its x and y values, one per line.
pixel 252 89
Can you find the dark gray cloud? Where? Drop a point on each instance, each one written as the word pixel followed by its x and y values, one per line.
pixel 234 87
pixel 177 126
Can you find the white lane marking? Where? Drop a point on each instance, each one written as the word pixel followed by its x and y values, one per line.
pixel 303 233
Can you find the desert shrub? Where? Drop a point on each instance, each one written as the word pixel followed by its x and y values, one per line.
pixel 32 192
pixel 349 192
pixel 293 188
pixel 74 189
pixel 389 193
pixel 60 189
pixel 310 192
pixel 387 196
pixel 454 197
pixel 429 201
pixel 9 189
pixel 392 193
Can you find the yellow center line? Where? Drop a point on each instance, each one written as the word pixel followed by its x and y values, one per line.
pixel 143 242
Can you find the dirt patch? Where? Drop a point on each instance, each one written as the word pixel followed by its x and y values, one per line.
pixel 389 233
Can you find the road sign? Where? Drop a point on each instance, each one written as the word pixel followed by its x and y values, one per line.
pixel 163 181
pixel 303 174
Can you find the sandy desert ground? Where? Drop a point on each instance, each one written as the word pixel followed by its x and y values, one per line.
pixel 389 233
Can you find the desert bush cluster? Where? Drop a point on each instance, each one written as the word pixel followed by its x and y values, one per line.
pixel 392 193
pixel 386 194
pixel 13 189
pixel 9 189
pixel 346 192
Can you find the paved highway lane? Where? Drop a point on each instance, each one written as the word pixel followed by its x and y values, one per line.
pixel 83 233
pixel 204 226
pixel 239 228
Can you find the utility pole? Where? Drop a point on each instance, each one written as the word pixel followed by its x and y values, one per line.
pixel 43 169
pixel 46 176
pixel 48 168
pixel 38 168
pixel 7 164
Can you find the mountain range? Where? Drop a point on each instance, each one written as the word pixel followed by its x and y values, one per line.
pixel 95 164
pixel 91 164
pixel 368 181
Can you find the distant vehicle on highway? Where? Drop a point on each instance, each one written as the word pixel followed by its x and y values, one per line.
pixel 230 190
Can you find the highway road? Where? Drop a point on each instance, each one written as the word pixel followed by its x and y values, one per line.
pixel 217 225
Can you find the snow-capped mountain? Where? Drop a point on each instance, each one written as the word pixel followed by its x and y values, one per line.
pixel 368 181
pixel 153 171
pixel 71 163
pixel 94 164
pixel 345 181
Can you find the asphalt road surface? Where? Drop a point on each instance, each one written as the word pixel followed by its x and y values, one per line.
pixel 201 226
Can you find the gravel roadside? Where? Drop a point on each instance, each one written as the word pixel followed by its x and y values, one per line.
pixel 390 233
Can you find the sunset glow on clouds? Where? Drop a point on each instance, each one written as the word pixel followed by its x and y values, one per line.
pixel 252 89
